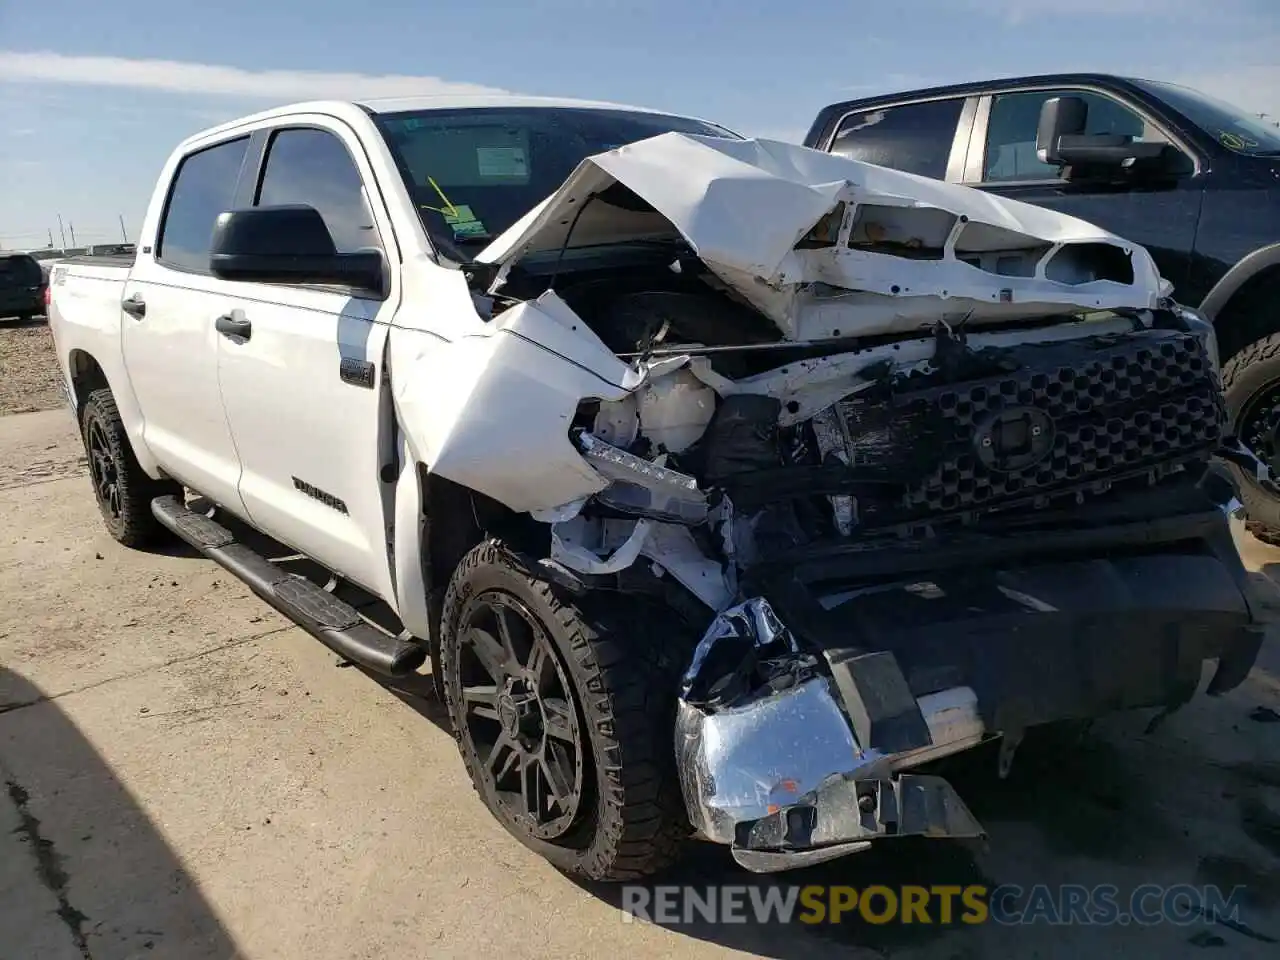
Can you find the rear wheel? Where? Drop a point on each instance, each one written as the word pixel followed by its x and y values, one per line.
pixel 122 488
pixel 564 712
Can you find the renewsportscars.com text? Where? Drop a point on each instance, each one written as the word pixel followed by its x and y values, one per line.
pixel 1063 904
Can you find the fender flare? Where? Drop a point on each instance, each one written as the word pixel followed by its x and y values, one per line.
pixel 1235 278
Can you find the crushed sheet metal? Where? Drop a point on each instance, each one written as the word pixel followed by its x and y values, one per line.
pixel 746 755
pixel 672 547
pixel 752 622
pixel 742 760
pixel 742 763
pixel 474 406
pixel 847 812
pixel 568 547
pixel 743 205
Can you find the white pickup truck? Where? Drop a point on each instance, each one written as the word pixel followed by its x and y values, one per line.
pixel 722 481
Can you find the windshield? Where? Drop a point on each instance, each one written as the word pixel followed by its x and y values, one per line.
pixel 474 172
pixel 1235 129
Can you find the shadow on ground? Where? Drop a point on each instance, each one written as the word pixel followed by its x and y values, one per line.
pixel 1078 808
pixel 37 321
pixel 85 873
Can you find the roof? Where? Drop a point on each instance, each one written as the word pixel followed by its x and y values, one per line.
pixel 982 86
pixel 347 108
pixel 454 102
pixel 968 88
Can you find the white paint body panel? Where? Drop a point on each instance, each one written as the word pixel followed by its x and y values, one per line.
pixel 487 403
pixel 743 205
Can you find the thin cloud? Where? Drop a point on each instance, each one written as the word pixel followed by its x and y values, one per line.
pixel 1021 11
pixel 179 77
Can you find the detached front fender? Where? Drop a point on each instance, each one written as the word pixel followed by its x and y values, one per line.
pixel 492 412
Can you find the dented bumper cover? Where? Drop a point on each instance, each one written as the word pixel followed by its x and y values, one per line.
pixel 794 757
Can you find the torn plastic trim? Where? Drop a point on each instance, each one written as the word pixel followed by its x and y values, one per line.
pixel 845 815
pixel 569 546
pixel 763 730
pixel 598 547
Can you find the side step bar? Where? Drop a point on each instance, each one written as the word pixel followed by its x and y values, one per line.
pixel 335 624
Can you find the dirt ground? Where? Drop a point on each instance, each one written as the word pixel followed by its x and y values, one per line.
pixel 28 371
pixel 183 774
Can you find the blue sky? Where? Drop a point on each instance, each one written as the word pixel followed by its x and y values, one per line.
pixel 94 93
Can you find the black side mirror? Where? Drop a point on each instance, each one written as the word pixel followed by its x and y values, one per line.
pixel 288 244
pixel 1061 140
pixel 1059 117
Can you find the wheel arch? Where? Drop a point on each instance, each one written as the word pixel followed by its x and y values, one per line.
pixel 438 522
pixel 1235 305
pixel 85 373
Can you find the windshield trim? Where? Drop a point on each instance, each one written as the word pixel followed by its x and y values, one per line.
pixel 1196 106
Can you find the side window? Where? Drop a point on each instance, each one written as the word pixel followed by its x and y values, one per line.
pixel 313 167
pixel 203 188
pixel 915 137
pixel 1015 117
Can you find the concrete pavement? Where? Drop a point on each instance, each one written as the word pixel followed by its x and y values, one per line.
pixel 184 774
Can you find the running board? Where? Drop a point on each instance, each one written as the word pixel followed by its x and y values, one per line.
pixel 335 624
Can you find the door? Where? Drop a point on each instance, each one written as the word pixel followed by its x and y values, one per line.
pixel 170 347
pixel 915 137
pixel 300 370
pixel 1158 213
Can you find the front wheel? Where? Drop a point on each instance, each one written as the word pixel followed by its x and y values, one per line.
pixel 564 712
pixel 1251 381
pixel 122 488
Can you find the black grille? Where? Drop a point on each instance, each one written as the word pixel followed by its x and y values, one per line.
pixel 1111 407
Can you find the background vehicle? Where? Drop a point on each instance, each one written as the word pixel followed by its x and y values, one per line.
pixel 634 427
pixel 1192 179
pixel 22 286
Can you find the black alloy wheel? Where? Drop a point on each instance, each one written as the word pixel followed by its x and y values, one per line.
pixel 519 715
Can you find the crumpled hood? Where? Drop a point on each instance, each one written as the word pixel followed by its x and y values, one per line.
pixel 891 251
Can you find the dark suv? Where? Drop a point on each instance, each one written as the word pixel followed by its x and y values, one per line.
pixel 22 285
pixel 1194 180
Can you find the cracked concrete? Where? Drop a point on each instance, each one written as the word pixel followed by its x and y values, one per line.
pixel 186 775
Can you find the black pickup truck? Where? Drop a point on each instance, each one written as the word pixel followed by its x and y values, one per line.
pixel 1195 180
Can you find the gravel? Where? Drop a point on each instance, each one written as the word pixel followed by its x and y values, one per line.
pixel 29 378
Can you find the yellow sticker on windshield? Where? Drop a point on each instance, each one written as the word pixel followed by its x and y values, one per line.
pixel 1234 141
pixel 464 222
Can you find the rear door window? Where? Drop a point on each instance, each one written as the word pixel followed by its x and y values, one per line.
pixel 203 188
pixel 914 137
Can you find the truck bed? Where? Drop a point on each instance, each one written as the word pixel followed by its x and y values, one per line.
pixel 124 260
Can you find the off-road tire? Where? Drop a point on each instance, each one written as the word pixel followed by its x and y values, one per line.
pixel 623 656
pixel 1254 368
pixel 133 523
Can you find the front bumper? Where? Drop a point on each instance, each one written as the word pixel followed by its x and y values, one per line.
pixel 791 740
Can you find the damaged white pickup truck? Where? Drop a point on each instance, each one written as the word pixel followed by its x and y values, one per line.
pixel 723 481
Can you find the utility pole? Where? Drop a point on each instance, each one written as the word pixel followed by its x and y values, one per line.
pixel 62 233
pixel 72 227
pixel 124 237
